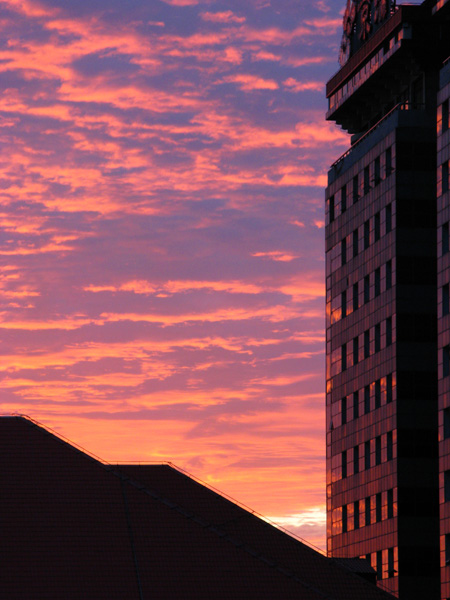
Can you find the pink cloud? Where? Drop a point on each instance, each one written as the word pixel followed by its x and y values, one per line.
pixel 325 23
pixel 31 8
pixel 182 2
pixel 222 17
pixel 233 55
pixel 248 82
pixel 264 55
pixel 303 86
pixel 276 255
pixel 296 61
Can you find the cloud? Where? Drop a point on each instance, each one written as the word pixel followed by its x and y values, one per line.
pixel 303 86
pixel 222 17
pixel 325 23
pixel 309 526
pixel 264 55
pixel 276 255
pixel 182 2
pixel 249 83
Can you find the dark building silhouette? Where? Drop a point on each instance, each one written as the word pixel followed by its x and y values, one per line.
pixel 443 216
pixel 75 528
pixel 388 263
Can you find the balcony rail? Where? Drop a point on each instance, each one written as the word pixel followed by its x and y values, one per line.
pixel 398 107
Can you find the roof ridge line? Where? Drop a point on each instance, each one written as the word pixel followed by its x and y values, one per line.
pixel 224 535
pixel 114 470
pixel 247 509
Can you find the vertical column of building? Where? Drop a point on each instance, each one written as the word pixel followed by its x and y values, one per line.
pixel 416 355
pixel 443 216
pixel 361 370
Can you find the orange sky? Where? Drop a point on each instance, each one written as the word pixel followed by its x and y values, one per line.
pixel 162 167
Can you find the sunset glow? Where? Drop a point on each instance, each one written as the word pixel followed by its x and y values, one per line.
pixel 162 167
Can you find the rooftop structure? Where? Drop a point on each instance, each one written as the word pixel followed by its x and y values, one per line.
pixel 74 527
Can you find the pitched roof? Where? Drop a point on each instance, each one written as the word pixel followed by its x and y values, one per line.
pixel 76 528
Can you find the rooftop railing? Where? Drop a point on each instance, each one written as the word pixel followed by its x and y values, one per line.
pixel 113 466
pixel 398 107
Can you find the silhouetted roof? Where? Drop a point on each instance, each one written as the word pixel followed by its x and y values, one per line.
pixel 73 527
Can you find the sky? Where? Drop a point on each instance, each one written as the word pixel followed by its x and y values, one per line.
pixel 162 174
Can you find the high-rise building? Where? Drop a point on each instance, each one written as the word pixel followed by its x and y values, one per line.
pixel 443 219
pixel 388 265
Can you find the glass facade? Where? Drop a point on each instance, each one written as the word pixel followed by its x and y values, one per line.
pixel 388 307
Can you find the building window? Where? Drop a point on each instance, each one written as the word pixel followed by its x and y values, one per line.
pixel 355 189
pixel 366 235
pixel 367 455
pixel 445 300
pixel 377 227
pixel 377 393
pixel 445 238
pixel 389 445
pixel 446 361
pixel 367 511
pixel 344 464
pixel 366 289
pixel 355 297
pixel 377 337
pixel 355 405
pixel 446 423
pixel 356 460
pixel 377 282
pixel 344 199
pixel 445 109
pixel 447 549
pixel 378 508
pixel 388 274
pixel 344 410
pixel 355 350
pixel 390 504
pixel 388 218
pixel 356 514
pixel 344 252
pixel 388 331
pixel 355 243
pixel 344 304
pixel 391 563
pixel 389 388
pixel 379 565
pixel 366 179
pixel 367 399
pixel 444 171
pixel 367 343
pixel 377 174
pixel 378 450
pixel 389 165
pixel 447 486
pixel 332 209
pixel 344 519
pixel 442 117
